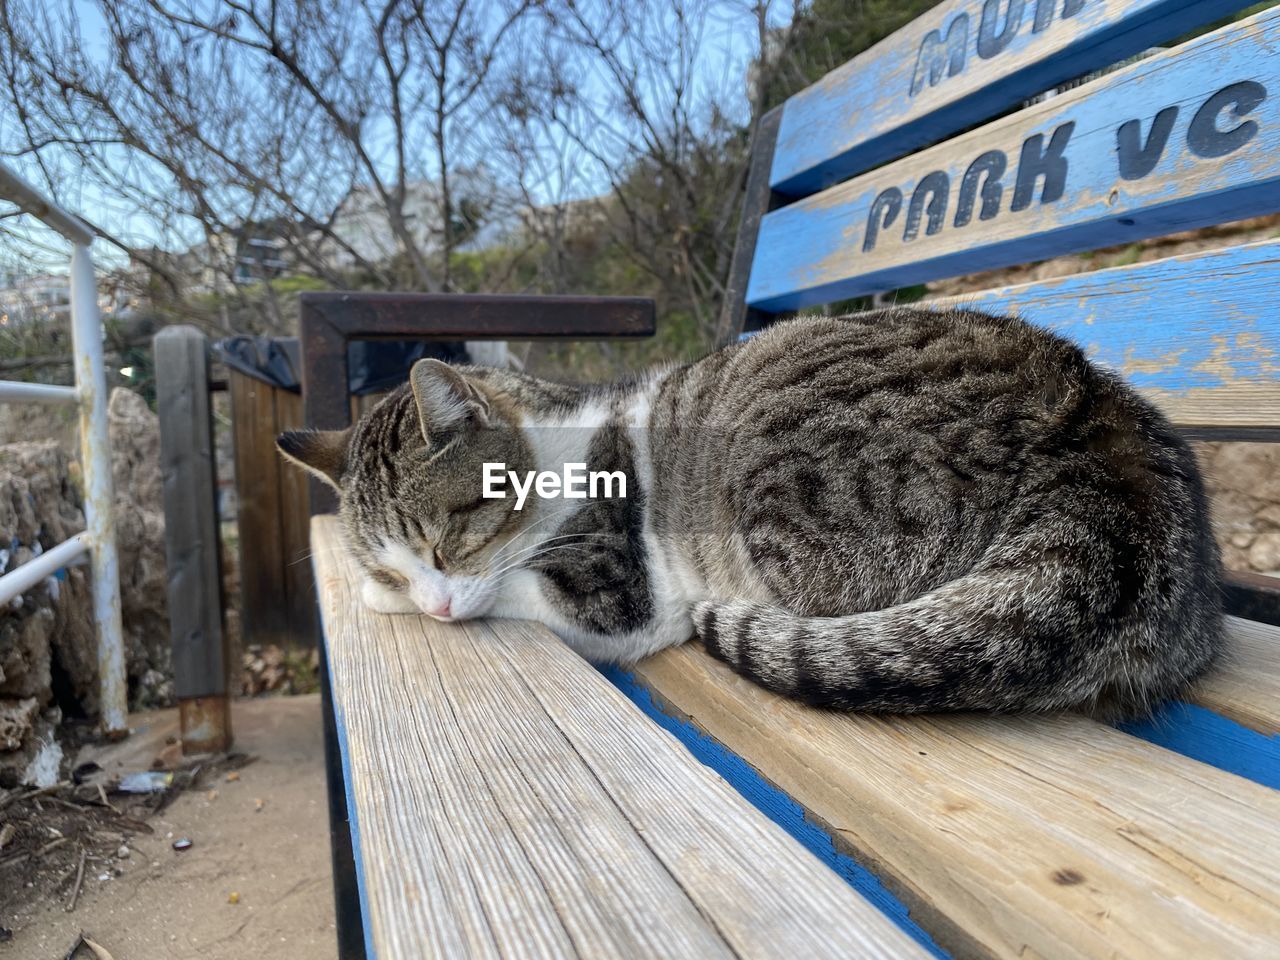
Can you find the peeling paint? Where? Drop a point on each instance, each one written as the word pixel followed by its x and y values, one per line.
pixel 95 450
pixel 804 253
pixel 1152 364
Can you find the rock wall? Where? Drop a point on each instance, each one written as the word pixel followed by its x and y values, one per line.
pixel 1244 485
pixel 48 627
pixel 48 645
pixel 139 502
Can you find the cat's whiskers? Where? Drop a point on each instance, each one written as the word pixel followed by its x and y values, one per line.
pixel 529 556
pixel 525 560
pixel 542 543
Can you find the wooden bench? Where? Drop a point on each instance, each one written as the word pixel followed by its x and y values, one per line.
pixel 506 799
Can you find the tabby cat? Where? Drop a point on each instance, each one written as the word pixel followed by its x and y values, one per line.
pixel 901 510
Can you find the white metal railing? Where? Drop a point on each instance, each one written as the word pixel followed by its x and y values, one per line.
pixel 90 395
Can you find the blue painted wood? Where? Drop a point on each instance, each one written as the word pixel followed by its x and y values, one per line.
pixel 1224 165
pixel 1213 739
pixel 1203 322
pixel 340 723
pixel 882 104
pixel 773 803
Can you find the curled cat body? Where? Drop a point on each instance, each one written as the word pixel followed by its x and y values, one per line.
pixel 895 511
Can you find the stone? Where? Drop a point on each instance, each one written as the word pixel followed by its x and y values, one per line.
pixel 38 762
pixel 1243 482
pixel 139 511
pixel 48 633
pixel 16 720
pixel 39 508
pixel 1264 554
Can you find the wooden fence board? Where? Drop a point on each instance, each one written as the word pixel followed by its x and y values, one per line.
pixel 264 611
pixel 191 521
pixel 508 801
pixel 295 528
pixel 1203 147
pixel 934 77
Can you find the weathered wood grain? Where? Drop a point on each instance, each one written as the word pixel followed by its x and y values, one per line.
pixel 261 511
pixel 200 655
pixel 757 200
pixel 295 528
pixel 509 802
pixel 887 102
pixel 1198 334
pixel 1014 836
pixel 1218 159
pixel 1246 686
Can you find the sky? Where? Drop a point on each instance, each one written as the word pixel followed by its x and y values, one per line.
pixel 728 49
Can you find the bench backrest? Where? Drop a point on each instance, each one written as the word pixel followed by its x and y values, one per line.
pixel 916 161
pixel 1184 138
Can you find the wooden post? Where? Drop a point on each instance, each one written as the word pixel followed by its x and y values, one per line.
pixel 200 656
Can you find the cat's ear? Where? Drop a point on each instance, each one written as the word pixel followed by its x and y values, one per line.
pixel 323 452
pixel 446 399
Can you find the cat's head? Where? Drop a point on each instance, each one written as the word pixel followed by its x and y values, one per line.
pixel 410 476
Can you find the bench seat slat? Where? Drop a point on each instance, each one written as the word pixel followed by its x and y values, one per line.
pixel 1246 686
pixel 898 225
pixel 888 101
pixel 1010 836
pixel 508 801
pixel 1198 334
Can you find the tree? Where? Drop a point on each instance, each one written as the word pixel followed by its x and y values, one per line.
pixel 205 119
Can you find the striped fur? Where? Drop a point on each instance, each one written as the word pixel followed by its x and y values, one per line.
pixel 892 511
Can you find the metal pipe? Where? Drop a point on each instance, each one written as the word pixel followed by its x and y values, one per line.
pixel 14 391
pixel 19 581
pixel 99 514
pixel 29 199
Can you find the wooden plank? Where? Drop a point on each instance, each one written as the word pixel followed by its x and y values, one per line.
pixel 1253 596
pixel 328 321
pixel 1246 687
pixel 1212 361
pixel 508 801
pixel 201 658
pixel 1013 836
pixel 263 612
pixel 191 522
pixel 1048 180
pixel 935 77
pixel 757 200
pixel 295 527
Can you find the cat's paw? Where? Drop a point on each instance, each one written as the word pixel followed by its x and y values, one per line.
pixel 382 599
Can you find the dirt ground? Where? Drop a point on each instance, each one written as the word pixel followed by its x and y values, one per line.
pixel 259 839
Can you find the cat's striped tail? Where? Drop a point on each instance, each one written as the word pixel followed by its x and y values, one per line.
pixel 1001 640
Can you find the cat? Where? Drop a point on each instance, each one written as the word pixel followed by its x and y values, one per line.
pixel 895 511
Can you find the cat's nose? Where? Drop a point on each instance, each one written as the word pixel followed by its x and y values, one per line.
pixel 444 609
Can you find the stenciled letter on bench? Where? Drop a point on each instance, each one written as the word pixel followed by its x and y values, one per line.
pixel 935 55
pixel 989 42
pixel 992 164
pixel 885 206
pixel 1044 12
pixel 1136 160
pixel 933 191
pixel 1203 136
pixel 1036 162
